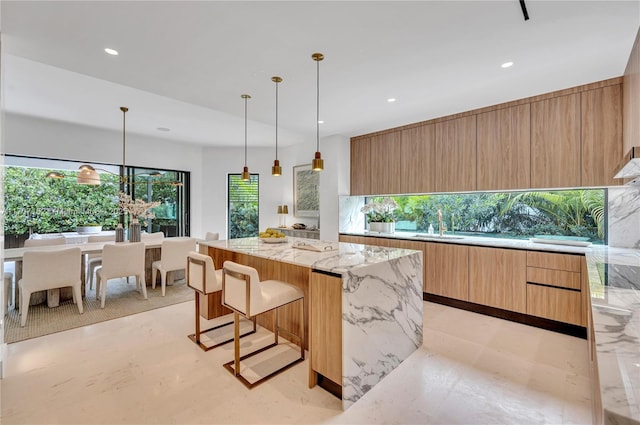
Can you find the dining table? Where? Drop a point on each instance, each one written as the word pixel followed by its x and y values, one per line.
pixel 152 253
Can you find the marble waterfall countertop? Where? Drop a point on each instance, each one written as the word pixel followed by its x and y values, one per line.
pixel 614 280
pixel 340 258
pixel 382 303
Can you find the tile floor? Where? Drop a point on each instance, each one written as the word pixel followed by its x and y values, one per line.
pixel 142 369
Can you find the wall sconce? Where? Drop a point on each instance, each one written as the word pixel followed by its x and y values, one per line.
pixel 283 211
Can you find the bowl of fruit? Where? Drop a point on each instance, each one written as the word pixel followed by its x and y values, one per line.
pixel 272 236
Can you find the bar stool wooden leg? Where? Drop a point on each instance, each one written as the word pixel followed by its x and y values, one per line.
pixel 197 335
pixel 301 328
pixel 236 342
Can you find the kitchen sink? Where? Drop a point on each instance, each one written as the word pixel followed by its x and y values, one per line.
pixel 425 236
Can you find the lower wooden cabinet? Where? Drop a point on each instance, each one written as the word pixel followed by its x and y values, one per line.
pixel 447 270
pixel 562 305
pixel 556 287
pixel 326 326
pixel 497 278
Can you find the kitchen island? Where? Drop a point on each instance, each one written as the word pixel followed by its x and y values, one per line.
pixel 363 304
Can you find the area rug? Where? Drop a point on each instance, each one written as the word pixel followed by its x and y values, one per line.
pixel 122 300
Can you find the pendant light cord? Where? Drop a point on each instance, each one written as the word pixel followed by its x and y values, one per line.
pixel 276 120
pixel 318 106
pixel 245 131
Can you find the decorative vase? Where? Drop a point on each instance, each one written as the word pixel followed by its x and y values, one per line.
pixel 119 233
pixel 382 227
pixel 134 231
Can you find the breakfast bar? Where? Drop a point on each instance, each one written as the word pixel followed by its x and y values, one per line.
pixel 363 304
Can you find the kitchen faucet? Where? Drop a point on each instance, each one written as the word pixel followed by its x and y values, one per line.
pixel 441 226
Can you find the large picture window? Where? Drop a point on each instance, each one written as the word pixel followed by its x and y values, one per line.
pixel 243 206
pixel 37 204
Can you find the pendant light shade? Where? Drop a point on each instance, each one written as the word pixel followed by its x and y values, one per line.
pixel 276 170
pixel 88 175
pixel 318 163
pixel 245 171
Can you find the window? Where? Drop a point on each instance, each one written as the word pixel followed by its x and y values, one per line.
pixel 36 204
pixel 242 211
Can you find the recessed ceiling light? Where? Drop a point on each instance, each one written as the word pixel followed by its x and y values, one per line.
pixel 391 99
pixel 111 51
pixel 320 122
pixel 163 129
pixel 507 65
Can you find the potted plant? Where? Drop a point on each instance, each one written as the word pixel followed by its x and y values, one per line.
pixel 379 215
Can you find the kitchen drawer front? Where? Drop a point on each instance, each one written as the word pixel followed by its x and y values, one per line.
pixel 557 304
pixel 560 278
pixel 545 260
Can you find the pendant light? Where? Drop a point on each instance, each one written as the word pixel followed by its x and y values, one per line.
pixel 276 170
pixel 124 110
pixel 318 163
pixel 245 171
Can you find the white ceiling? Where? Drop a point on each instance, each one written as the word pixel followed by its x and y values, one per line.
pixel 183 65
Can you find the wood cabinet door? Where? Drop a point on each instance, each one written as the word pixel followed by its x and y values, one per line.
pixel 601 135
pixel 504 148
pixel 417 165
pixel 360 166
pixel 386 163
pixel 562 305
pixel 447 270
pixel 555 142
pixel 456 155
pixel 325 344
pixel 498 278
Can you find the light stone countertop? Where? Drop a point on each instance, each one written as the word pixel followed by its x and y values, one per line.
pixel 614 280
pixel 343 256
pixel 480 241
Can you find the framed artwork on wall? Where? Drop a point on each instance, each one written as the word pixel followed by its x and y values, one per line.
pixel 306 191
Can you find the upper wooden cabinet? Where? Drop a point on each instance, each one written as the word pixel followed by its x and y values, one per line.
pixel 601 135
pixel 418 169
pixel 569 138
pixel 503 145
pixel 456 155
pixel 555 142
pixel 360 166
pixel 386 163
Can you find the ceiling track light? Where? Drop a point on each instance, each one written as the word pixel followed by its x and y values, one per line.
pixel 245 171
pixel 318 163
pixel 276 169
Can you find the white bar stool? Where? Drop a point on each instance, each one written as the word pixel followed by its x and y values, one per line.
pixel 243 293
pixel 204 279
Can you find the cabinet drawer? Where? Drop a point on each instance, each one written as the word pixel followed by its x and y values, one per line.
pixel 557 304
pixel 558 278
pixel 545 260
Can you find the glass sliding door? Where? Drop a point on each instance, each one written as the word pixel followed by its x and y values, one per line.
pixel 169 187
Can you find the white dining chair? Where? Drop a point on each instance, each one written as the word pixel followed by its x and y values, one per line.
pixel 121 260
pixel 211 236
pixel 151 236
pixel 95 260
pixel 246 295
pixel 56 240
pixel 42 270
pixel 173 257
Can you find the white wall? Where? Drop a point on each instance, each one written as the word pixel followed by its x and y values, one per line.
pixel 31 136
